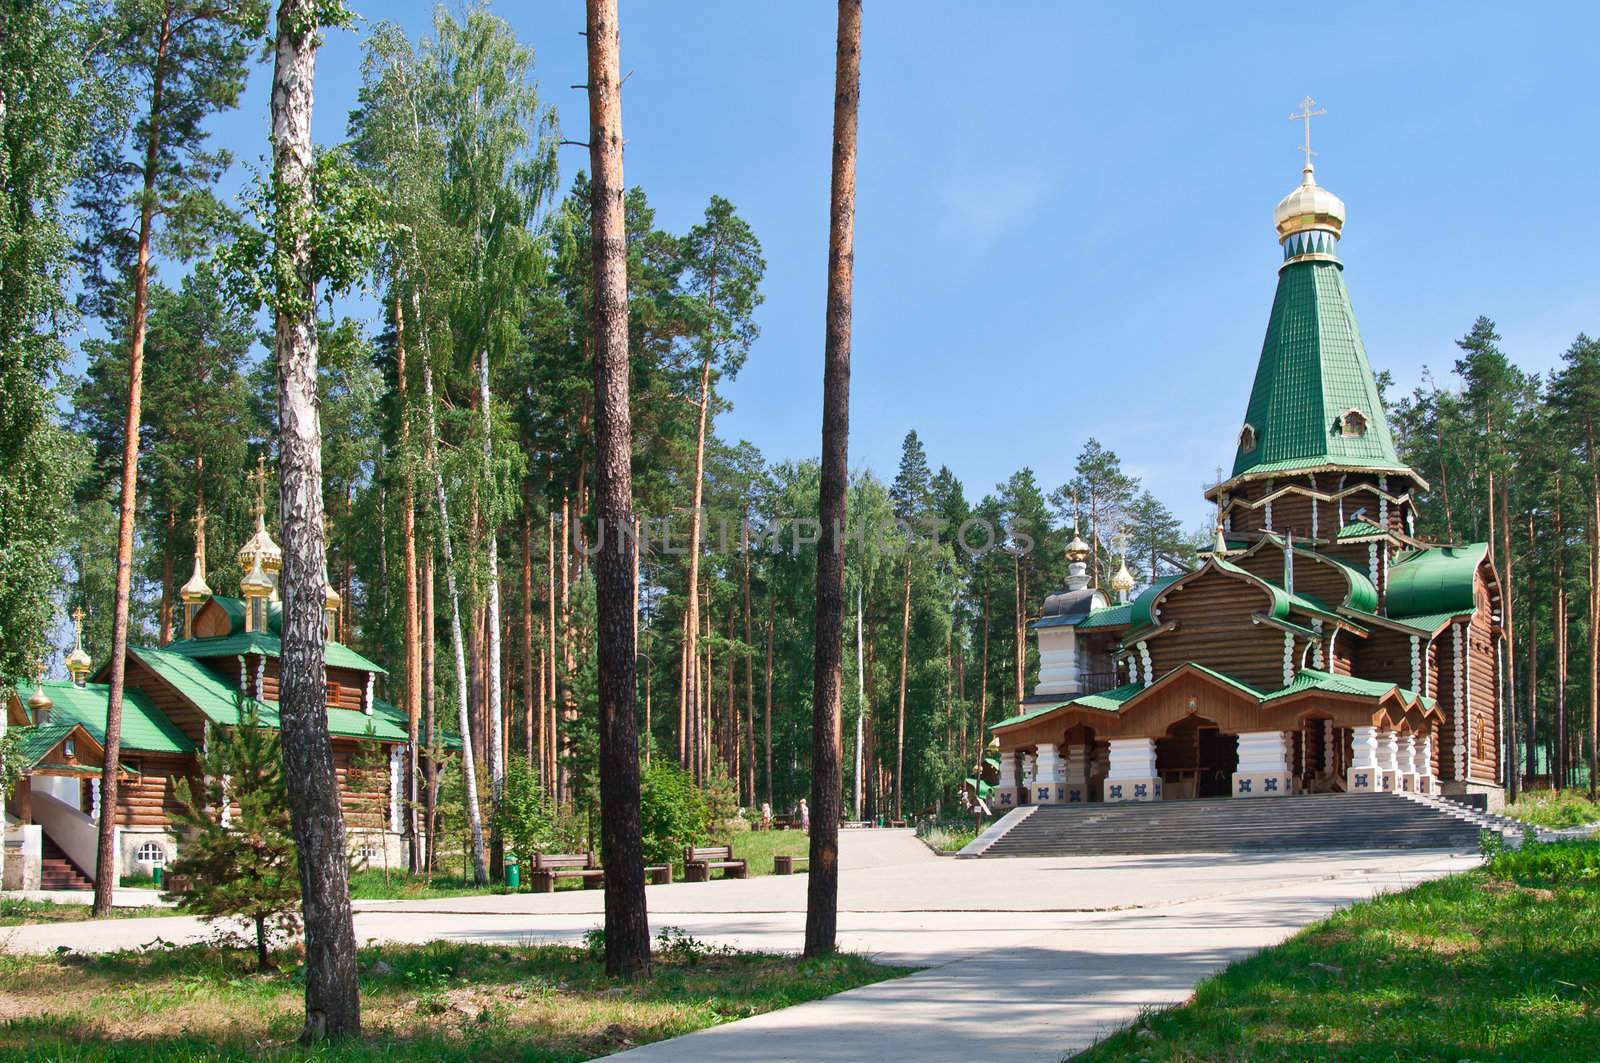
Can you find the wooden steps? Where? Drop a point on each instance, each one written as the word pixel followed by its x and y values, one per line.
pixel 58 872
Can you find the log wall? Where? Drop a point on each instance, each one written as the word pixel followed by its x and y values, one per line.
pixel 1215 629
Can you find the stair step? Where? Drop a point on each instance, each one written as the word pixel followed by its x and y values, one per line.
pixel 1300 822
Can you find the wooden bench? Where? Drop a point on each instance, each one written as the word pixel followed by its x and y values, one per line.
pixel 658 874
pixel 699 862
pixel 780 822
pixel 788 865
pixel 545 868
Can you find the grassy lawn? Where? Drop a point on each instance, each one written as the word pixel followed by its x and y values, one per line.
pixel 14 911
pixel 444 1001
pixel 760 846
pixel 1547 808
pixel 1501 963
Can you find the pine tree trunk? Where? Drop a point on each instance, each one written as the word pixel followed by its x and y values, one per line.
pixel 529 698
pixel 564 680
pixel 767 714
pixel 627 927
pixel 333 1002
pixel 1513 772
pixel 983 680
pixel 431 793
pixel 900 709
pixel 747 739
pixel 822 887
pixel 413 634
pixel 165 634
pixel 552 731
pixel 105 871
pixel 1559 623
pixel 857 783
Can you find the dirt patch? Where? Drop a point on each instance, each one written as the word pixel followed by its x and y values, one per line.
pixel 1501 887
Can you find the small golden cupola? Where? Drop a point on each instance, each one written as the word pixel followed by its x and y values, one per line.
pixel 257 589
pixel 259 549
pixel 78 662
pixel 1309 219
pixel 1122 582
pixel 197 591
pixel 331 601
pixel 39 703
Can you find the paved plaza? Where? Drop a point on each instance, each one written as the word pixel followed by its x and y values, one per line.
pixel 1024 959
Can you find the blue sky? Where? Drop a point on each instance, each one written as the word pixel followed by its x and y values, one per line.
pixel 1064 211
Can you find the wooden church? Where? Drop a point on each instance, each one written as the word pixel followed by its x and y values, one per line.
pixel 226 663
pixel 1321 646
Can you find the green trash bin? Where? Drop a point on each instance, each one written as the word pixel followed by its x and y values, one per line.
pixel 513 873
pixel 155 873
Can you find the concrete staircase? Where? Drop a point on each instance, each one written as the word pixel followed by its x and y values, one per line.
pixel 1230 825
pixel 58 872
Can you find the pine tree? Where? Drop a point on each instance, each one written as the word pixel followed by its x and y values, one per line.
pixel 627 927
pixel 822 887
pixel 238 852
pixel 181 61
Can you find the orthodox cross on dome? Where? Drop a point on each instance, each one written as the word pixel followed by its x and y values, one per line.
pixel 1306 114
pixel 259 480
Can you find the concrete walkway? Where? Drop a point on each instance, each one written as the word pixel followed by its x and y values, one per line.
pixel 1025 959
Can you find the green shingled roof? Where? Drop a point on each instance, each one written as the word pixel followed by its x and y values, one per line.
pixel 1024 717
pixel 1313 679
pixel 41 738
pixel 1361 529
pixel 1116 616
pixel 264 642
pixel 1110 700
pixel 1434 581
pixel 1313 369
pixel 144 727
pixel 222 703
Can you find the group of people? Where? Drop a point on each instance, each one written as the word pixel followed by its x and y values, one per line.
pixel 801 819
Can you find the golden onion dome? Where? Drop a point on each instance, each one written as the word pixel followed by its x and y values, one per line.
pixel 1122 582
pixel 78 661
pixel 330 597
pixel 256 582
pixel 1077 549
pixel 1309 206
pixel 39 701
pixel 260 547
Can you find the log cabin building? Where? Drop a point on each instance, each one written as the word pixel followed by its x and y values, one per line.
pixel 1320 646
pixel 226 663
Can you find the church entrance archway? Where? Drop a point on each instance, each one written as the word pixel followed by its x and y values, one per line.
pixel 1196 759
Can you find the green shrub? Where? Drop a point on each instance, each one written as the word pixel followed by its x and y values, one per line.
pixel 529 820
pixel 672 811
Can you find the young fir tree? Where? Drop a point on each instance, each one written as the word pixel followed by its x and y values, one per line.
pixel 240 853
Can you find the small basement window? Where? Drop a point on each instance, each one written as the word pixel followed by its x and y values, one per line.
pixel 151 853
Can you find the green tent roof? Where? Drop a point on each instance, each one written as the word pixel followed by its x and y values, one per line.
pixel 144 727
pixel 1313 370
pixel 1436 580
